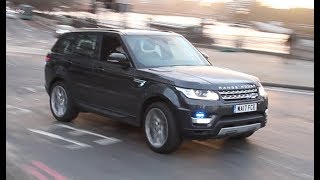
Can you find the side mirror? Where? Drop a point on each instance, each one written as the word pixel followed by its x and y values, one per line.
pixel 205 55
pixel 118 58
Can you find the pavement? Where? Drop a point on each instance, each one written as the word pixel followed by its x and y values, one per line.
pixel 95 147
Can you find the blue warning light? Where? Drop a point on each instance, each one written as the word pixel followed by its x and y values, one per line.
pixel 200 114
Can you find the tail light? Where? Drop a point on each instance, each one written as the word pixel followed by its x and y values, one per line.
pixel 48 57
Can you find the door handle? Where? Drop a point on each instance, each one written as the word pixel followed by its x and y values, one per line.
pixel 69 61
pixel 99 68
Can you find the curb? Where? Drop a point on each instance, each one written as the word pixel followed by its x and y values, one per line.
pixel 288 86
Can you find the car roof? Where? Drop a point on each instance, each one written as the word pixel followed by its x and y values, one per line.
pixel 125 31
pixel 25 5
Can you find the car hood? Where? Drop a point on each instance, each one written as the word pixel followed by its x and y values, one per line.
pixel 198 77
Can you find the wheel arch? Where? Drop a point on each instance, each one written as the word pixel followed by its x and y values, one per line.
pixel 151 100
pixel 56 79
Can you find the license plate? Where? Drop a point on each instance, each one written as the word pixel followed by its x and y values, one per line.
pixel 245 108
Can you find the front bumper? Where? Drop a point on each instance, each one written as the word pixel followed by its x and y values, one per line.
pixel 221 121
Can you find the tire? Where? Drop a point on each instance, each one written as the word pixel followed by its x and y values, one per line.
pixel 172 139
pixel 70 111
pixel 242 136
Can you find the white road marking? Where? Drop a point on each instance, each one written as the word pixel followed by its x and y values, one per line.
pixel 40 87
pixel 16 110
pixel 48 32
pixel 36 99
pixel 303 64
pixel 26 50
pixel 43 41
pixel 30 89
pixel 290 91
pixel 105 141
pixel 73 147
pixel 84 131
pixel 10 64
pixel 77 133
pixel 60 138
pixel 19 44
pixel 19 99
pixel 28 30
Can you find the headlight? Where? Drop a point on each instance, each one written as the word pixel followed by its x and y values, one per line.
pixel 199 94
pixel 262 92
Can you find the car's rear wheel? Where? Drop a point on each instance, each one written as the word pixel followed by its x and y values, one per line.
pixel 161 129
pixel 61 104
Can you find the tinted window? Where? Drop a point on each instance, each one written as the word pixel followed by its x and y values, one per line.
pixel 86 45
pixel 110 44
pixel 64 45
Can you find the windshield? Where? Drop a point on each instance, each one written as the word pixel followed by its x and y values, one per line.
pixel 163 51
pixel 25 9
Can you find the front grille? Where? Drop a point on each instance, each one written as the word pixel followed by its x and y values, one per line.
pixel 239 94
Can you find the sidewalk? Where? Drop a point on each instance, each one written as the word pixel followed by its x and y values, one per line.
pixel 271 70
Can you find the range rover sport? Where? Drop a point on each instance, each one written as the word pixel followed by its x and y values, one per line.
pixel 155 80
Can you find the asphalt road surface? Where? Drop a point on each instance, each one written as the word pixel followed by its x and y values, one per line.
pixel 93 147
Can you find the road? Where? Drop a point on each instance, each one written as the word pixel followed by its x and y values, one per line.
pixel 94 147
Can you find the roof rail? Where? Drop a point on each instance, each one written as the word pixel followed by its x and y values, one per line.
pixel 96 28
pixel 93 29
pixel 167 31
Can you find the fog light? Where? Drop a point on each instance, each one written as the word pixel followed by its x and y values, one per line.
pixel 266 112
pixel 207 120
pixel 200 114
pixel 201 120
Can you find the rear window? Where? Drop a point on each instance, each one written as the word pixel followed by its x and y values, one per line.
pixel 83 44
pixel 86 44
pixel 64 45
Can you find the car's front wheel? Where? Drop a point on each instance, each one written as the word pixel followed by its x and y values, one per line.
pixel 161 129
pixel 61 104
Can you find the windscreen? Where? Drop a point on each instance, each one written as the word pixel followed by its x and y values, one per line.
pixel 164 51
pixel 26 10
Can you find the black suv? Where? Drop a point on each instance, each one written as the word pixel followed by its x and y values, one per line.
pixel 155 80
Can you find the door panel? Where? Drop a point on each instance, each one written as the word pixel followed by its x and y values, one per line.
pixel 84 51
pixel 80 70
pixel 114 84
pixel 116 87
